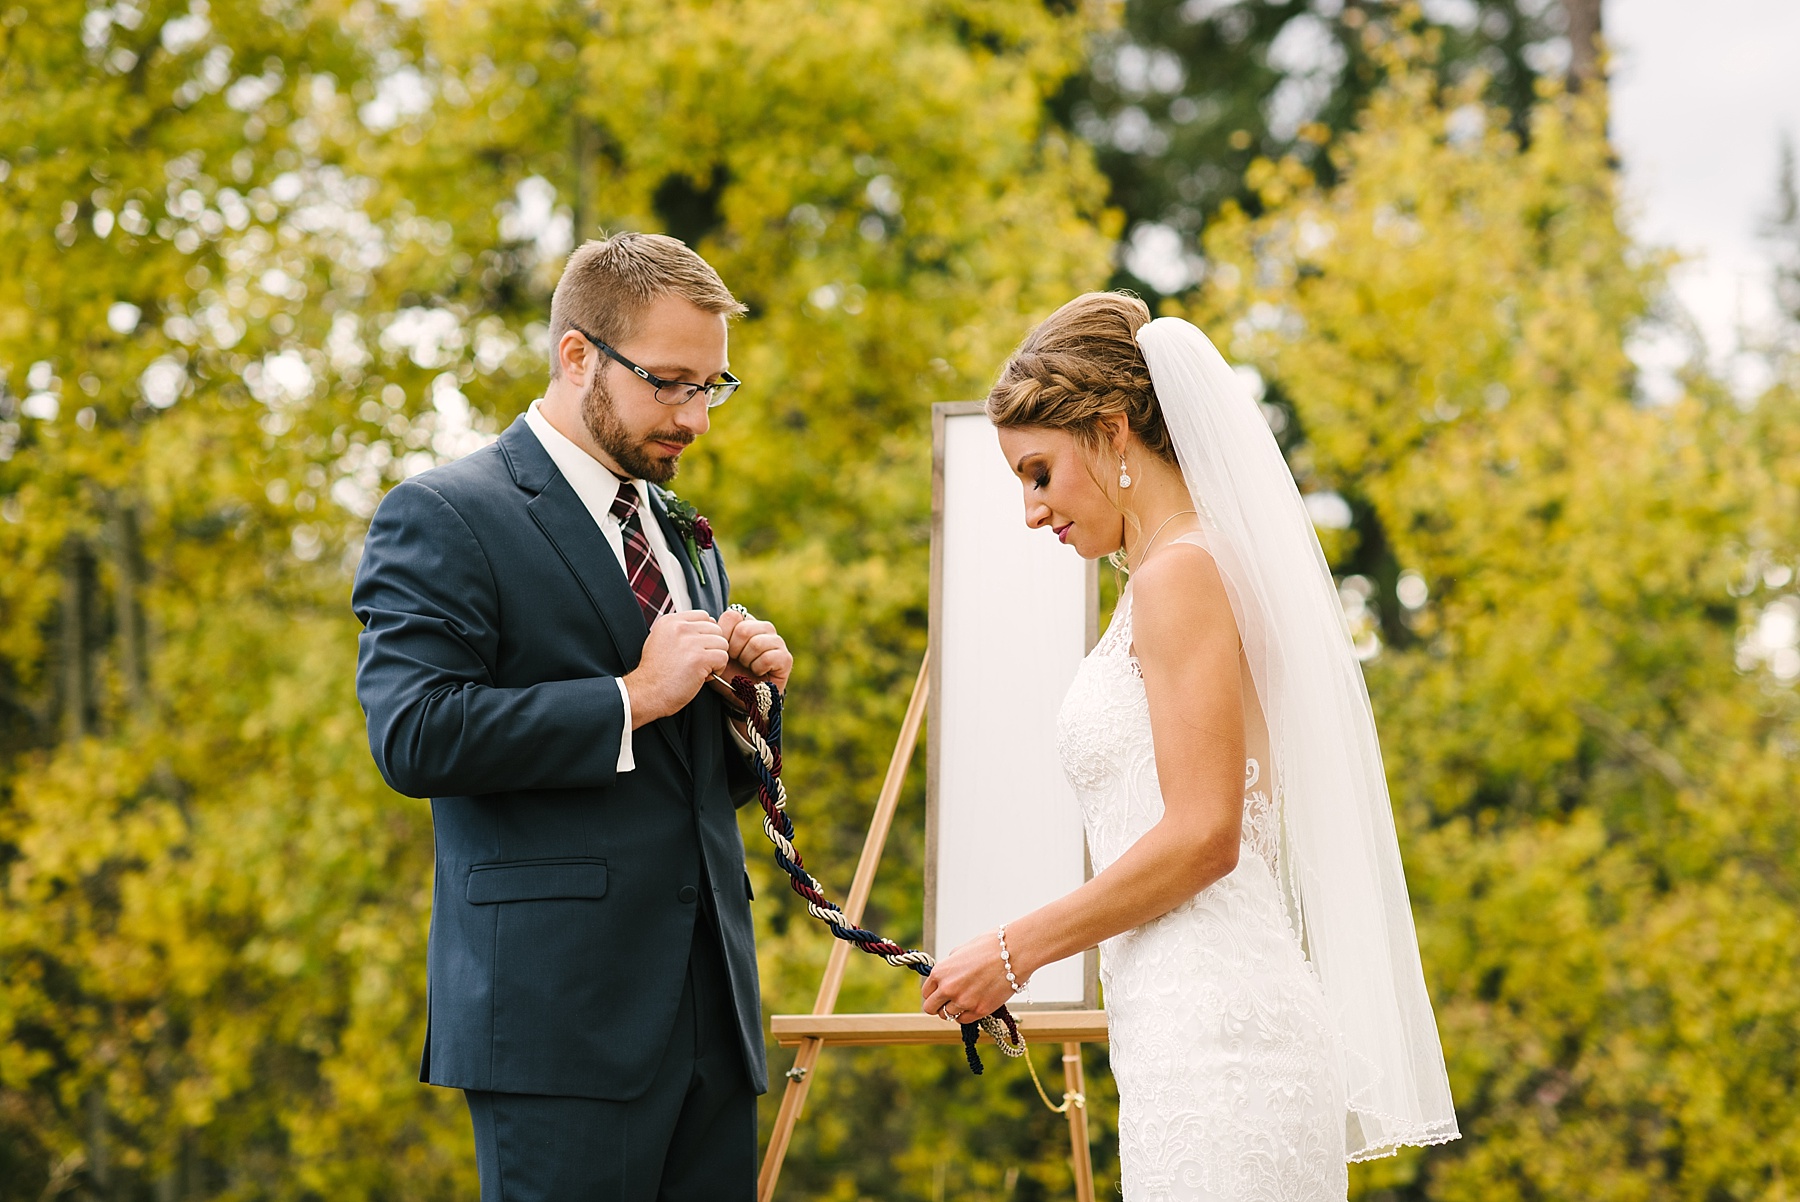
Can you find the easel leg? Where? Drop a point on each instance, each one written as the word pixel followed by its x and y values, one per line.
pixel 1082 1156
pixel 792 1099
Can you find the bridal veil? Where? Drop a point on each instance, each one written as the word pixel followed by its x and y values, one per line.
pixel 1344 885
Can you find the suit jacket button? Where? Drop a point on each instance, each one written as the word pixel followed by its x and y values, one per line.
pixel 688 893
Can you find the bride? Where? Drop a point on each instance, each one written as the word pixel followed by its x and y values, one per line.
pixel 1267 1014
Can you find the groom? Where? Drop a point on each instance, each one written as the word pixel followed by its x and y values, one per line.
pixel 539 623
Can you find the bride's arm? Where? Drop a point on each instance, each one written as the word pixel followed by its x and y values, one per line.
pixel 1186 641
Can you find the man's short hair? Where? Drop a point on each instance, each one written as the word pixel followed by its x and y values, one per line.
pixel 609 282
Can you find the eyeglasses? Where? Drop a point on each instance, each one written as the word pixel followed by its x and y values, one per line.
pixel 670 392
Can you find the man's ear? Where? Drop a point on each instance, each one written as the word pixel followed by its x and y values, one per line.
pixel 576 358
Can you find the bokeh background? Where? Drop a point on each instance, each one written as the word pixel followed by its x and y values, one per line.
pixel 260 259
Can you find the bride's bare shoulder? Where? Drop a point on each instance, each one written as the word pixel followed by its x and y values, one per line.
pixel 1178 600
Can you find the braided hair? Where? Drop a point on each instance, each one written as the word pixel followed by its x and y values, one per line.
pixel 1080 367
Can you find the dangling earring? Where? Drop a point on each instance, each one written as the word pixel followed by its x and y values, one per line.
pixel 1124 476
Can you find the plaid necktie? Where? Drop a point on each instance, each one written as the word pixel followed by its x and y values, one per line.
pixel 641 570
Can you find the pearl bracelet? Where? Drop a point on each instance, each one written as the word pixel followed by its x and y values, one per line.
pixel 1006 963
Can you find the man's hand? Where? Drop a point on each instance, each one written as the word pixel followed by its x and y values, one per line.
pixel 756 650
pixel 682 651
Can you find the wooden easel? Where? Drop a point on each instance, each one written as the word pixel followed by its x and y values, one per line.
pixel 811 1032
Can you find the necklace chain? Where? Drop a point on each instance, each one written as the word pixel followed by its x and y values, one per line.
pixel 1165 523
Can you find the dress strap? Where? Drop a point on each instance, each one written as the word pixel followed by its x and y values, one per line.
pixel 1117 636
pixel 1195 537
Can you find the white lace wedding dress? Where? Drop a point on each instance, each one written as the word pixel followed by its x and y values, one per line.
pixel 1221 1043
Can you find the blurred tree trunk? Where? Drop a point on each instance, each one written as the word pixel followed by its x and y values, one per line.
pixel 127 616
pixel 99 1146
pixel 74 651
pixel 587 182
pixel 1584 41
pixel 1781 235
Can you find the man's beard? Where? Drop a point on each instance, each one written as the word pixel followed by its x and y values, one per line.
pixel 631 455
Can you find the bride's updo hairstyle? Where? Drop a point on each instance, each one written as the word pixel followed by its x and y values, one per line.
pixel 1078 368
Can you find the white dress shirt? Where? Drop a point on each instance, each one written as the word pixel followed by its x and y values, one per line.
pixel 597 487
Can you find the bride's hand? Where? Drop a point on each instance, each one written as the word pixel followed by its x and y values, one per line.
pixel 969 983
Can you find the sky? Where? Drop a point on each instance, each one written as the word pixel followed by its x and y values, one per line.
pixel 1701 92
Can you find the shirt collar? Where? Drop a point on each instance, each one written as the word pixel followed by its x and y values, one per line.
pixel 592 481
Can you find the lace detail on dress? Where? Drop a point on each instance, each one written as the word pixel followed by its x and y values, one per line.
pixel 1262 825
pixel 1220 1041
pixel 1116 642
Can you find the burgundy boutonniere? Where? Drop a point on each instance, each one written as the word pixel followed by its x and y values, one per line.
pixel 695 531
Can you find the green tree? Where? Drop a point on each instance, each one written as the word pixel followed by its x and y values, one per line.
pixel 199 913
pixel 263 260
pixel 1185 94
pixel 1583 660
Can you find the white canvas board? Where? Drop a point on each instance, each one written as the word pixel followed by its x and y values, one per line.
pixel 1011 619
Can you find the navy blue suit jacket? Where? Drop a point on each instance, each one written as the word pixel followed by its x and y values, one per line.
pixel 496 621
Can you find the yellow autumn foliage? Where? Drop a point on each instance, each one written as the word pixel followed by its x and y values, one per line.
pixel 1594 770
pixel 260 260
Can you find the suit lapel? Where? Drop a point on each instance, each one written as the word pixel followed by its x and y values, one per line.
pixel 706 715
pixel 703 597
pixel 570 528
pixel 567 523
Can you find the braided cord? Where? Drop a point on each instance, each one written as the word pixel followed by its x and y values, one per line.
pixel 763 731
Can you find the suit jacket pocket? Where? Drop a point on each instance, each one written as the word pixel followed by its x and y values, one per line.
pixel 536 880
pixel 584 975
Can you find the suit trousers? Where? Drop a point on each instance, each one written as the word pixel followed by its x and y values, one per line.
pixel 690 1136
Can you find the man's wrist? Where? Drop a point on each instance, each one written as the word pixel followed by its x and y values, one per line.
pixel 635 709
